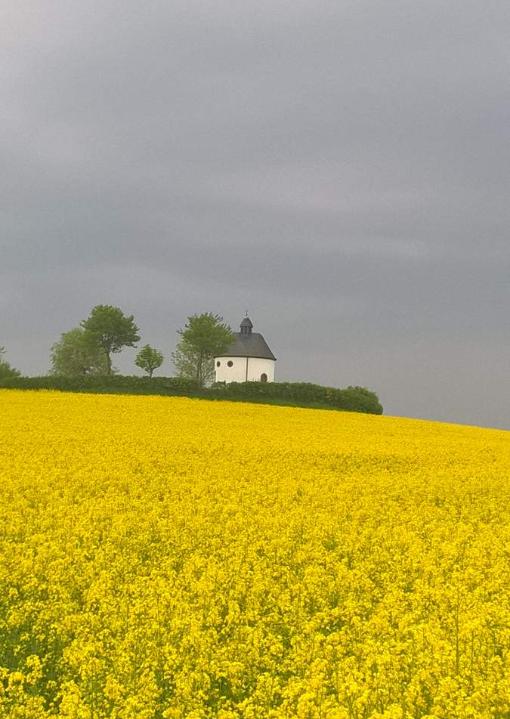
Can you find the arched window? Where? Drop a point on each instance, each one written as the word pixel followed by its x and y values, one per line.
pixel 218 363
pixel 263 377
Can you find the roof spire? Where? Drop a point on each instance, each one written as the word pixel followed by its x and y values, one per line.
pixel 246 326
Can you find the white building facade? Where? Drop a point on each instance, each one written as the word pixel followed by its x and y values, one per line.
pixel 248 359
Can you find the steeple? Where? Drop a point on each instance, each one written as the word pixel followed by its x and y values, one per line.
pixel 246 326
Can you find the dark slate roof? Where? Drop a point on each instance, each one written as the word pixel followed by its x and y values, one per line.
pixel 249 345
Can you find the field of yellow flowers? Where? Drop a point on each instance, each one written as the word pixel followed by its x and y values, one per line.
pixel 169 558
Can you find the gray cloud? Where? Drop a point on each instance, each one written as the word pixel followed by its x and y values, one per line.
pixel 338 168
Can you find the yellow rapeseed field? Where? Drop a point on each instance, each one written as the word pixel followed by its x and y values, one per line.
pixel 168 558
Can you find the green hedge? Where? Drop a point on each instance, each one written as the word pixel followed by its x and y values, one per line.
pixel 352 399
pixel 113 384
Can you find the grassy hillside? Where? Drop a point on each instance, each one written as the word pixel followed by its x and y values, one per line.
pixel 171 558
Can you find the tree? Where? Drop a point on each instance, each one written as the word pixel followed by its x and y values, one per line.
pixel 6 371
pixel 78 353
pixel 149 359
pixel 204 336
pixel 112 330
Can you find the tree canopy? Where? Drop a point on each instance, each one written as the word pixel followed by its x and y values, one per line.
pixel 203 337
pixel 112 330
pixel 78 353
pixel 6 371
pixel 149 359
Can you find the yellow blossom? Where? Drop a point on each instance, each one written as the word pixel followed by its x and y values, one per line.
pixel 169 557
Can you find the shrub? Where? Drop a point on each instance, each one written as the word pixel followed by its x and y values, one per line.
pixel 112 384
pixel 352 399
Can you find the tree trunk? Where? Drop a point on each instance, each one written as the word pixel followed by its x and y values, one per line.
pixel 108 363
pixel 199 369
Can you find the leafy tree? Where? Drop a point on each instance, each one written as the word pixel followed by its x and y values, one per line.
pixel 149 359
pixel 6 371
pixel 78 353
pixel 204 336
pixel 112 330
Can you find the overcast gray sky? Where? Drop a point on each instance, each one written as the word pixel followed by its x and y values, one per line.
pixel 339 169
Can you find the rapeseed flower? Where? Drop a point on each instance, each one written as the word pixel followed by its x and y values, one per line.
pixel 180 559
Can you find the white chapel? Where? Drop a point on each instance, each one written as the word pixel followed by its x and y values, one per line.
pixel 248 359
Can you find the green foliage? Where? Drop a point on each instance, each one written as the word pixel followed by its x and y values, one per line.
pixel 77 354
pixel 360 399
pixel 112 330
pixel 204 336
pixel 6 371
pixel 149 359
pixel 301 394
pixel 107 384
pixel 353 399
